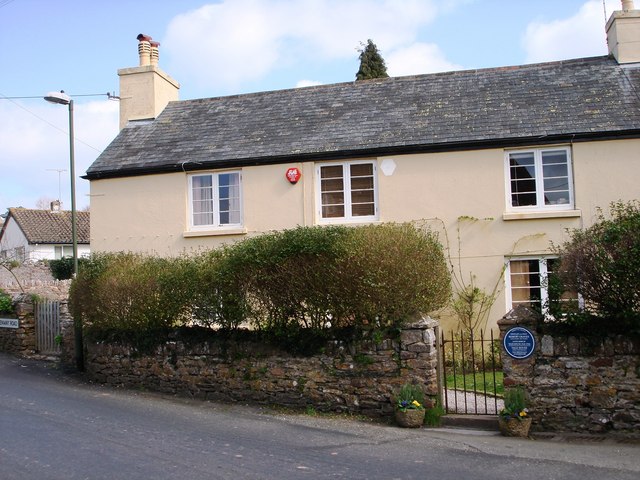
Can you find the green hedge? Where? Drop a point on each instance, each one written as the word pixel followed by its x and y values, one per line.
pixel 308 279
pixel 602 263
pixel 6 302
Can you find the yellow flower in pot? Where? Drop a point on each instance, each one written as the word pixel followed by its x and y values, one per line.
pixel 409 406
pixel 514 420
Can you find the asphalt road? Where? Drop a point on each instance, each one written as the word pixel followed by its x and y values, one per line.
pixel 55 426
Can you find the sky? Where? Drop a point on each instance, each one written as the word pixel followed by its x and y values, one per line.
pixel 228 47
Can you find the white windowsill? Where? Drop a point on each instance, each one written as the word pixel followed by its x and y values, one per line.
pixel 540 214
pixel 216 232
pixel 349 223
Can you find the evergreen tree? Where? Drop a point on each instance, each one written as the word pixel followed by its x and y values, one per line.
pixel 371 62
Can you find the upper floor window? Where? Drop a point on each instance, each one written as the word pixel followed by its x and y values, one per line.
pixel 540 179
pixel 215 200
pixel 347 192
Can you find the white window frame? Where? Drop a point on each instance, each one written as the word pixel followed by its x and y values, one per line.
pixel 543 272
pixel 539 180
pixel 62 249
pixel 346 172
pixel 216 225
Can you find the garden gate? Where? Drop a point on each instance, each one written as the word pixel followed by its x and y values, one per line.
pixel 471 372
pixel 47 320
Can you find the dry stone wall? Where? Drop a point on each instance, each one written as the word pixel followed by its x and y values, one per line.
pixel 21 341
pixel 577 384
pixel 345 378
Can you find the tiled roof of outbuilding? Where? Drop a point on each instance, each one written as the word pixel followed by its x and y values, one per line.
pixel 541 103
pixel 46 227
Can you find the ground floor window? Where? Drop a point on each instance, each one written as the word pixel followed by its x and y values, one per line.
pixel 531 283
pixel 62 251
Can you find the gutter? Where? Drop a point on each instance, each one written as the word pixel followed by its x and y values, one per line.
pixel 366 152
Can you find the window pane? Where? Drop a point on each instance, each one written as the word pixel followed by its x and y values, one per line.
pixel 556 177
pixel 229 198
pixel 523 179
pixel 525 283
pixel 331 171
pixel 550 157
pixel 361 170
pixel 333 198
pixel 202 199
pixel 332 211
pixel 333 185
pixel 362 209
pixel 332 191
pixel 362 183
pixel 362 194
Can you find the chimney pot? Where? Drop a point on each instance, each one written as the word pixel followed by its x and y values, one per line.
pixel 144 51
pixel 627 5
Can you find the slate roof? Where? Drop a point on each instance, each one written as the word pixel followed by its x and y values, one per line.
pixel 531 104
pixel 46 227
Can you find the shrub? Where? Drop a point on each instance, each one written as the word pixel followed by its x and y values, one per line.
pixel 392 271
pixel 602 263
pixel 217 291
pixel 6 302
pixel 129 296
pixel 290 278
pixel 296 287
pixel 62 269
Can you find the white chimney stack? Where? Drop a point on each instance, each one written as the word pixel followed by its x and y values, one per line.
pixel 145 90
pixel 623 34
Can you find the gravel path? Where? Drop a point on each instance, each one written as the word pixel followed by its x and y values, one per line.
pixel 459 401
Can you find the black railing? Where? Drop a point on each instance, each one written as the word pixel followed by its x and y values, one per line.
pixel 471 373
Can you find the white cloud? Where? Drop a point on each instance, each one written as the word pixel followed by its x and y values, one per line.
pixel 232 42
pixel 34 142
pixel 582 35
pixel 417 59
pixel 307 83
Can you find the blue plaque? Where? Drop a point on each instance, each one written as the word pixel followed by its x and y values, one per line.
pixel 519 342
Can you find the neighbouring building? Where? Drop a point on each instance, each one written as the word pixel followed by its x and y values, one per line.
pixel 29 235
pixel 500 161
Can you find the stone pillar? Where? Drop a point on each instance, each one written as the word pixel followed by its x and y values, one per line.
pixel 67 347
pixel 419 355
pixel 519 371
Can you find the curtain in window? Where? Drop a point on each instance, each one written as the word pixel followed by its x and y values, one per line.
pixel 202 199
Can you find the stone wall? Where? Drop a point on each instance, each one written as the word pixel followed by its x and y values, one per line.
pixel 21 341
pixel 344 378
pixel 33 278
pixel 577 384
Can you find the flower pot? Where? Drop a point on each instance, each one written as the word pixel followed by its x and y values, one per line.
pixel 410 418
pixel 514 427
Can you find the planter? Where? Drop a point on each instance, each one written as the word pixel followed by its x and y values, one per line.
pixel 410 418
pixel 514 427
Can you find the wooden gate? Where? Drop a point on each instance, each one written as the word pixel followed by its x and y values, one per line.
pixel 47 320
pixel 471 373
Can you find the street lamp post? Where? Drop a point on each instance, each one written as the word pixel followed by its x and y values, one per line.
pixel 62 98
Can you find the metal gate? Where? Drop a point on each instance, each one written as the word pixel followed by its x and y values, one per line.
pixel 47 320
pixel 471 373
